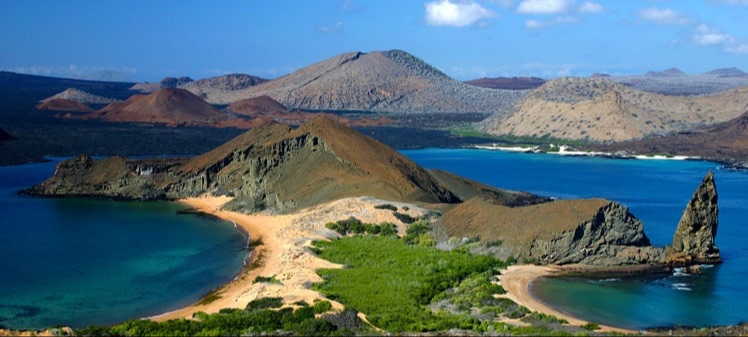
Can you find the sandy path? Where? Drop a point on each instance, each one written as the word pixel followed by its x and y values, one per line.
pixel 283 253
pixel 516 281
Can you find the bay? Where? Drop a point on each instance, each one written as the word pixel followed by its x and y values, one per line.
pixel 76 262
pixel 656 191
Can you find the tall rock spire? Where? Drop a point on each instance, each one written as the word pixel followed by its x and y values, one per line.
pixel 694 237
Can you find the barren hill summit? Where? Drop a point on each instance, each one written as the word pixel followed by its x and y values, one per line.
pixel 262 105
pixel 380 81
pixel 728 72
pixel 215 89
pixel 322 160
pixel 670 72
pixel 599 109
pixel 81 96
pixel 167 106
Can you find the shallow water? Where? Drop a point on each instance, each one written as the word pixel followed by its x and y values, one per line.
pixel 657 193
pixel 81 261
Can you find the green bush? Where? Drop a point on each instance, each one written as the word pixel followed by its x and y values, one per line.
pixel 265 279
pixel 386 206
pixel 322 307
pixel 591 326
pixel 404 218
pixel 265 303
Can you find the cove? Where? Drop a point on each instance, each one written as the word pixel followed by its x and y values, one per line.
pixel 78 262
pixel 656 191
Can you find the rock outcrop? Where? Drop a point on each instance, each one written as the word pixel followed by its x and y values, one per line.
pixel 589 231
pixel 271 167
pixel 694 237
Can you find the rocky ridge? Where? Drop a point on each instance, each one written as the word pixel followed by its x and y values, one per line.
pixel 382 81
pixel 589 233
pixel 598 109
pixel 674 82
pixel 215 89
pixel 260 169
pixel 693 241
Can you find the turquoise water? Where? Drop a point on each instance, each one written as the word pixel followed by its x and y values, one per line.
pixel 656 192
pixel 77 262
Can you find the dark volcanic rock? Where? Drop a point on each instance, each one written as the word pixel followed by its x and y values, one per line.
pixel 173 82
pixel 694 237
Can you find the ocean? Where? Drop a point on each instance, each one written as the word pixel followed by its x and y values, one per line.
pixel 656 192
pixel 77 262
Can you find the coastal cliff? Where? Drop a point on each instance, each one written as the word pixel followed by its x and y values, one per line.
pixel 271 167
pixel 693 241
pixel 589 233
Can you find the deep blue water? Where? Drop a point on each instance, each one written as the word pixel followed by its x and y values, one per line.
pixel 77 262
pixel 657 193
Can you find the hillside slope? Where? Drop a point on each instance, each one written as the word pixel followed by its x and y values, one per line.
pixel 598 109
pixel 386 81
pixel 166 106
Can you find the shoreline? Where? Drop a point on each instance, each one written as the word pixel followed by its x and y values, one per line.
pixel 283 255
pixel 517 280
pixel 563 150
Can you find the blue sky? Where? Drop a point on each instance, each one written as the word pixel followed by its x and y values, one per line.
pixel 467 39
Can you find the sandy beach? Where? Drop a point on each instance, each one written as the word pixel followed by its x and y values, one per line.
pixel 283 253
pixel 516 281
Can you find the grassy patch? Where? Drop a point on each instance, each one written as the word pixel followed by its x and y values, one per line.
pixel 392 282
pixel 265 279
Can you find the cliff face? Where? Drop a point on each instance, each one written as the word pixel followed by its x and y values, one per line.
pixel 694 237
pixel 589 231
pixel 269 167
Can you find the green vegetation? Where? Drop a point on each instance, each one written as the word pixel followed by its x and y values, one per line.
pixel 261 317
pixel 265 279
pixel 591 326
pixel 393 282
pixel 386 206
pixel 510 140
pixel 355 226
pixel 405 218
pixel 210 297
pixel 322 307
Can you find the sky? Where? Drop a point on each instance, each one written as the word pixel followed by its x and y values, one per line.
pixel 466 39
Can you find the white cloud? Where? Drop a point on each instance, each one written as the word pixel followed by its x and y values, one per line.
pixel 738 49
pixel 544 6
pixel 666 16
pixel 561 20
pixel 448 13
pixel 336 28
pixel 710 36
pixel 590 7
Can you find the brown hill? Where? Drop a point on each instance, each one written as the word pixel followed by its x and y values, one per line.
pixel 590 231
pixel 62 104
pixel 320 161
pixel 166 106
pixel 382 81
pixel 726 142
pixel 510 83
pixel 273 166
pixel 256 106
pixel 598 109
